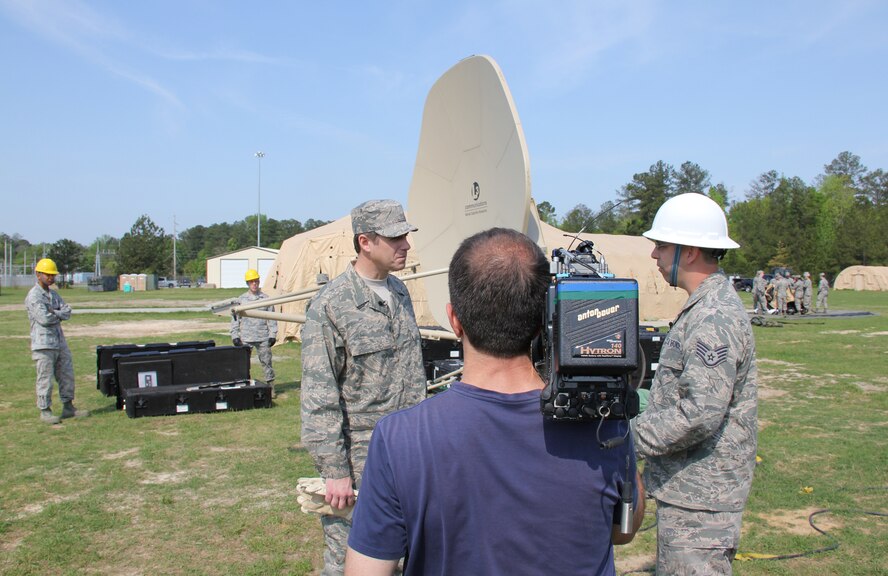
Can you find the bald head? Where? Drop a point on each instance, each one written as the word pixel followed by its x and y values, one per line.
pixel 498 281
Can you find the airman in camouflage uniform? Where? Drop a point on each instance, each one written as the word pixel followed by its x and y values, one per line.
pixel 799 294
pixel 780 286
pixel 258 333
pixel 49 349
pixel 822 294
pixel 361 359
pixel 808 292
pixel 759 303
pixel 699 430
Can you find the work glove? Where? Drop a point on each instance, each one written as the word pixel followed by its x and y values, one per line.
pixel 311 499
pixel 237 342
pixel 271 341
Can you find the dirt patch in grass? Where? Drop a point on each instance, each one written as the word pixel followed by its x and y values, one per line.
pixel 144 328
pixel 777 362
pixel 767 393
pixel 639 563
pixel 165 478
pixel 120 454
pixel 868 387
pixel 796 521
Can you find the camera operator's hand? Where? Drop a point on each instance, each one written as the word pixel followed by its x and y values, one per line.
pixel 237 342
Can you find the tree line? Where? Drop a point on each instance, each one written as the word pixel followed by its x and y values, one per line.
pixel 839 220
pixel 148 249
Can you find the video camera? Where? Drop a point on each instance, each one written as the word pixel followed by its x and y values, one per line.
pixel 590 340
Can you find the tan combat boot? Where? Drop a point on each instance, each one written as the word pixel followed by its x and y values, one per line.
pixel 48 417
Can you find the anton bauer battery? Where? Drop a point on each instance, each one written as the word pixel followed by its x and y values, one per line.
pixel 591 348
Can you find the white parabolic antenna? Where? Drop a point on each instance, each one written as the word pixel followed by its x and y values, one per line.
pixel 472 170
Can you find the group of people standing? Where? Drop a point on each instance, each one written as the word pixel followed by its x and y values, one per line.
pixel 467 481
pixel 788 294
pixel 462 482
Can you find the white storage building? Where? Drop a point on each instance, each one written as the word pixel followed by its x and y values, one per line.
pixel 227 270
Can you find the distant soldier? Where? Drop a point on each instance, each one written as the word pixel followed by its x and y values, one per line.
pixel 698 433
pixel 799 293
pixel 822 293
pixel 759 303
pixel 361 359
pixel 771 295
pixel 780 286
pixel 49 349
pixel 257 333
pixel 807 285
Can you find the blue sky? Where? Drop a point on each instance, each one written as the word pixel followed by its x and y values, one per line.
pixel 110 110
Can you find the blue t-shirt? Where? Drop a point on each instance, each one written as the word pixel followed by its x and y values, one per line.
pixel 477 482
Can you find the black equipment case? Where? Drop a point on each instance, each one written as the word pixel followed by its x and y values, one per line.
pixel 184 399
pixel 651 341
pixel 178 367
pixel 106 368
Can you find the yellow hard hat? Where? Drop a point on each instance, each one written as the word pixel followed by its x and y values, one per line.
pixel 47 266
pixel 251 275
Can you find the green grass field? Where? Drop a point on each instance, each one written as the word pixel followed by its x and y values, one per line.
pixel 214 493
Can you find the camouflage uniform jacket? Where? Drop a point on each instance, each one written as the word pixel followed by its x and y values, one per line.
pixel 360 361
pixel 808 286
pixel 758 285
pixel 823 286
pixel 699 429
pixel 46 310
pixel 253 329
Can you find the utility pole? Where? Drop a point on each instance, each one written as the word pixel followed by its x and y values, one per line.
pixel 260 155
pixel 175 278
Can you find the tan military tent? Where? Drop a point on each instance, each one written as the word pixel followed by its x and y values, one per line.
pixel 329 249
pixel 862 278
pixel 326 250
pixel 629 257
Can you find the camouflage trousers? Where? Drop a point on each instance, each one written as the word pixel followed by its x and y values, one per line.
pixel 56 364
pixel 821 302
pixel 263 351
pixel 695 542
pixel 336 531
pixel 759 302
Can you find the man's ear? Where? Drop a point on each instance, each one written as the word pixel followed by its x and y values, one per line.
pixel 363 242
pixel 691 253
pixel 454 321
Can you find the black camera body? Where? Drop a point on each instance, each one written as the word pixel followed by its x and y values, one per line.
pixel 590 340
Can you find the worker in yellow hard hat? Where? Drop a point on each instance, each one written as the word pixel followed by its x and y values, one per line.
pixel 258 333
pixel 49 349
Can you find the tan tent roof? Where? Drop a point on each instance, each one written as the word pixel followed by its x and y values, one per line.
pixel 329 249
pixel 326 250
pixel 862 278
pixel 629 257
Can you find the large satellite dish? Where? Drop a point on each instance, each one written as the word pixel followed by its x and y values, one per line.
pixel 472 170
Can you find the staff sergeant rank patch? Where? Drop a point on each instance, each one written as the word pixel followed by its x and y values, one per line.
pixel 711 357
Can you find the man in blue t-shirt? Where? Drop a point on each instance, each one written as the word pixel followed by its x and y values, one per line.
pixel 474 480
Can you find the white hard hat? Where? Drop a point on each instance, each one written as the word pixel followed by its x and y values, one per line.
pixel 691 220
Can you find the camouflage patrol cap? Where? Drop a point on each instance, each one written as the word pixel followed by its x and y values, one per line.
pixel 385 217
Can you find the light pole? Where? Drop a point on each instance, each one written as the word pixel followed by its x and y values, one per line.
pixel 260 155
